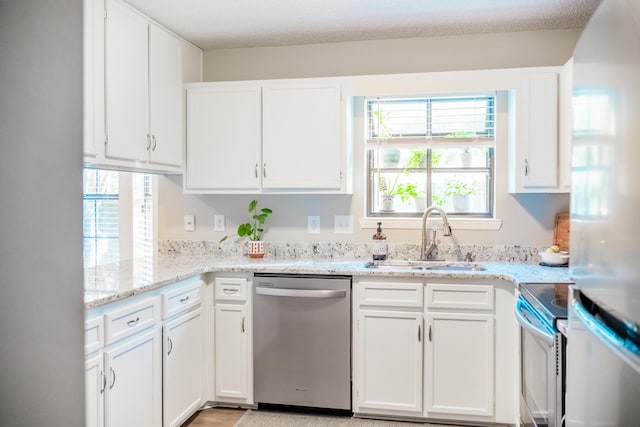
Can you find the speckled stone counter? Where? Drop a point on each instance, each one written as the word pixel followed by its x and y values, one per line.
pixel 114 282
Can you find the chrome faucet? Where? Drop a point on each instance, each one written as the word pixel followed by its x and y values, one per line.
pixel 425 252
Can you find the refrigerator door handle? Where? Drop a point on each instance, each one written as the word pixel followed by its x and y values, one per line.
pixel 522 315
pixel 626 349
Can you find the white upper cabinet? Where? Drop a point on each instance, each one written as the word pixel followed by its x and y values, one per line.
pixel 133 89
pixel 265 137
pixel 165 98
pixel 533 145
pixel 302 147
pixel 566 124
pixel 223 138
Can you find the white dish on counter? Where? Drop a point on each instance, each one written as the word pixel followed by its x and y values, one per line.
pixel 554 258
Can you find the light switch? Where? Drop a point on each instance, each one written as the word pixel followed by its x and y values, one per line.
pixel 218 223
pixel 343 224
pixel 313 224
pixel 189 222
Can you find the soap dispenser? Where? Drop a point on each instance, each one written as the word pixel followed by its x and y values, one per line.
pixel 380 250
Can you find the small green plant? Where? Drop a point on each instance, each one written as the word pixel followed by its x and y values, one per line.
pixel 407 191
pixel 253 230
pixel 457 186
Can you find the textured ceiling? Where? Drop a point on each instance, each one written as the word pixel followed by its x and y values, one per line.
pixel 213 24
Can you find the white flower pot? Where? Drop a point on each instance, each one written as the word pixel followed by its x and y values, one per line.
pixel 256 249
pixel 386 203
pixel 461 202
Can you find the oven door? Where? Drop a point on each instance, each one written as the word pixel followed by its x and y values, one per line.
pixel 540 369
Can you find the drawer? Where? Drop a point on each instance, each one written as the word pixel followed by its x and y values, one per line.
pixel 128 320
pixel 93 334
pixel 231 288
pixel 391 294
pixel 181 299
pixel 478 297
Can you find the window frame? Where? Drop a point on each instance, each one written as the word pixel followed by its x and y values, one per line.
pixel 430 142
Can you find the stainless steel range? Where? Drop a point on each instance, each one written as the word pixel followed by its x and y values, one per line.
pixel 541 311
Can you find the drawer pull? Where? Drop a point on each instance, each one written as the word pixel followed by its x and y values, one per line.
pixel 184 300
pixel 113 378
pixel 133 322
pixel 230 291
pixel 104 382
pixel 170 345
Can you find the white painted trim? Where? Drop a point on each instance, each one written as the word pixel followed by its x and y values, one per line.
pixel 416 223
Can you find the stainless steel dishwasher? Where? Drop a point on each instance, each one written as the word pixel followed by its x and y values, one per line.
pixel 302 340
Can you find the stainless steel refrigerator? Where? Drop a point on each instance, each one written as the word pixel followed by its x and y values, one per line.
pixel 603 355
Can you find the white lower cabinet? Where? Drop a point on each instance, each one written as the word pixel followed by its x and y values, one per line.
pixel 133 393
pixel 459 364
pixel 388 344
pixel 233 361
pixel 391 361
pixel 95 384
pixel 183 367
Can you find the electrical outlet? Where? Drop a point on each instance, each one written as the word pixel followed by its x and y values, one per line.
pixel 189 222
pixel 313 224
pixel 218 223
pixel 343 224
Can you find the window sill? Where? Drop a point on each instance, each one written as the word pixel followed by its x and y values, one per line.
pixel 434 221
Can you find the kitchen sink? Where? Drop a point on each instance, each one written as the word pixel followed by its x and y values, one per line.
pixel 425 265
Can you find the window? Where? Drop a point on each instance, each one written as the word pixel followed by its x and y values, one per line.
pixel 424 151
pixel 118 219
pixel 101 213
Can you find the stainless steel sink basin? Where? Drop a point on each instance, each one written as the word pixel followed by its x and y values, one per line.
pixel 425 265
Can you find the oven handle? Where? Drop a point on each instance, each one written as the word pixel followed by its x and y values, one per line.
pixel 525 322
pixel 304 293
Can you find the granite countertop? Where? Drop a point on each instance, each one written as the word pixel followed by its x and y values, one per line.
pixel 112 282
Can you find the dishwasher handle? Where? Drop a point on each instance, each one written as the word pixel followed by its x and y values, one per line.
pixel 301 293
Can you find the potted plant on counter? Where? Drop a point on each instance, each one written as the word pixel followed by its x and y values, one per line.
pixel 253 230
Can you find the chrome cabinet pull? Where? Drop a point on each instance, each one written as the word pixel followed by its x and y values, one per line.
pixel 170 345
pixel 243 324
pixel 154 142
pixel 133 322
pixel 184 300
pixel 429 333
pixel 264 170
pixel 526 168
pixel 148 142
pixel 104 382
pixel 256 170
pixel 113 378
pixel 230 291
pixel 419 333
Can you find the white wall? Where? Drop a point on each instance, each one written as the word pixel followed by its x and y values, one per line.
pixel 527 219
pixel 41 297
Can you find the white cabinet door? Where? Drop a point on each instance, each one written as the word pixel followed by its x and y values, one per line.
pixel 183 367
pixel 134 377
pixel 534 147
pixel 126 83
pixel 459 364
pixel 95 384
pixel 165 100
pixel 389 361
pixel 232 351
pixel 93 78
pixel 302 145
pixel 223 139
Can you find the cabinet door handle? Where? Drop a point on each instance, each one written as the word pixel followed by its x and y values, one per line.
pixel 264 170
pixel 256 170
pixel 230 291
pixel 153 137
pixel 526 168
pixel 113 378
pixel 104 382
pixel 148 142
pixel 170 345
pixel 429 333
pixel 243 325
pixel 419 333
pixel 133 322
pixel 184 300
